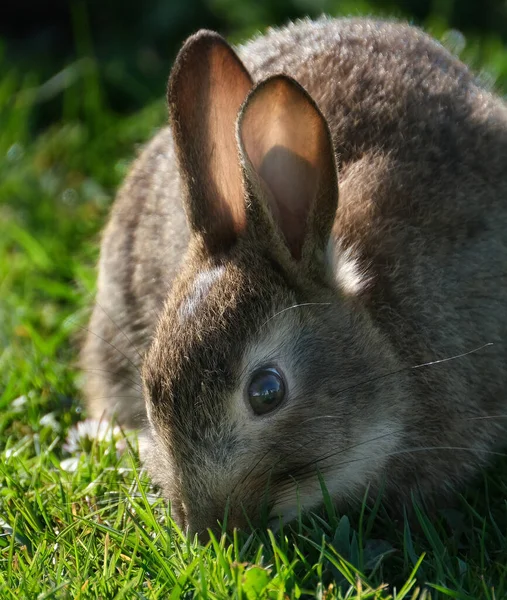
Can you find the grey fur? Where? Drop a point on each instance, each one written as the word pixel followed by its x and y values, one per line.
pixel 421 149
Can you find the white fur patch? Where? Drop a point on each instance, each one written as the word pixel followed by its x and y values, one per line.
pixel 202 285
pixel 346 269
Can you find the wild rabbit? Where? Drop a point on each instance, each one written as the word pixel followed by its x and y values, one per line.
pixel 269 327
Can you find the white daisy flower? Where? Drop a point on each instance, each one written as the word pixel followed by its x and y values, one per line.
pixel 49 420
pixel 81 437
pixel 70 464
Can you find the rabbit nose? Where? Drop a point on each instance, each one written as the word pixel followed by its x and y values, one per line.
pixel 202 528
pixel 208 521
pixel 204 534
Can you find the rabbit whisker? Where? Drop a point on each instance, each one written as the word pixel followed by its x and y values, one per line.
pixel 342 450
pixel 414 367
pixel 114 375
pixel 295 306
pixel 119 329
pixel 487 417
pixel 295 472
pixel 114 348
pixel 417 449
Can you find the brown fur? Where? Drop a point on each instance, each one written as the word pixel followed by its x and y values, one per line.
pixel 422 210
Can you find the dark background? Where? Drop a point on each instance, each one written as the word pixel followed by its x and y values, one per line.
pixel 132 42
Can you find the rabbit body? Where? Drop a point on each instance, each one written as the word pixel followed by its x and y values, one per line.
pixel 414 272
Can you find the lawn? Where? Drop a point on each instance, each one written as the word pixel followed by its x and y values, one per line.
pixel 78 516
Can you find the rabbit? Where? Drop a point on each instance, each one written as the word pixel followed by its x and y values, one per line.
pixel 303 278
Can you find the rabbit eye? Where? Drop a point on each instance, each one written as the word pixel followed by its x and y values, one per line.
pixel 266 390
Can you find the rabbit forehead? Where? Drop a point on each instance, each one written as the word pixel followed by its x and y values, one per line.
pixel 195 359
pixel 203 282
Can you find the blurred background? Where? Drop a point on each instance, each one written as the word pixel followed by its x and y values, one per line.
pixel 125 47
pixel 82 86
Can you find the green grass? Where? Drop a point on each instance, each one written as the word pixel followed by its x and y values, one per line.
pixel 96 529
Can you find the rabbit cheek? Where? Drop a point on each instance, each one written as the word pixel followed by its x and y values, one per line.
pixel 346 474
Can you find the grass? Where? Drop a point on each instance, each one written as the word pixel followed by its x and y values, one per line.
pixel 83 521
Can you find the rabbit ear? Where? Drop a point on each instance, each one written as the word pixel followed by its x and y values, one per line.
pixel 207 87
pixel 286 144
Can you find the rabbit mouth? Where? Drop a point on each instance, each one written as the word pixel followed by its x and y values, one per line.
pixel 280 519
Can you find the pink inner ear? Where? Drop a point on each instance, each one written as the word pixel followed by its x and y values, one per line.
pixel 207 87
pixel 285 139
pixel 228 87
pixel 292 180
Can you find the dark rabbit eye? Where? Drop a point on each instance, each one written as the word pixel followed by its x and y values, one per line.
pixel 266 390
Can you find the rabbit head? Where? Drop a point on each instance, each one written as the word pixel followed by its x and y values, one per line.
pixel 265 376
